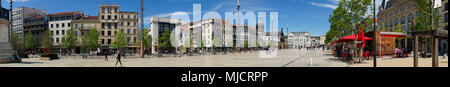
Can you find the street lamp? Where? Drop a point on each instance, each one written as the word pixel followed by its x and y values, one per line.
pixel 375 38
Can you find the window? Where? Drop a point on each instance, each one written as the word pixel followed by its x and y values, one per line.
pixel 134 39
pixel 103 33
pixel 446 17
pixel 109 33
pixel 68 24
pixel 109 25
pixel 410 17
pixel 63 25
pixel 103 17
pixel 128 31
pixel 109 17
pixel 52 33
pixel 109 41
pixel 51 26
pixel 128 23
pixel 115 17
pixel 129 16
pixel 57 32
pixel 134 31
pixel 57 25
pixel 103 41
pixel 403 20
pixel 116 10
pixel 63 32
pixel 103 10
pixel 446 6
pixel 57 40
pixel 121 16
pixel 115 26
pixel 109 10
pixel 128 39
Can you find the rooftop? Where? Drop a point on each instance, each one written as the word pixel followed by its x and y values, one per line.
pixel 64 13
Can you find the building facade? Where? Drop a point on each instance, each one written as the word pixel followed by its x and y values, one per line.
pixel 299 39
pixel 20 14
pixel 109 20
pixel 129 24
pixel 112 20
pixel 37 26
pixel 397 12
pixel 82 26
pixel 160 25
pixel 60 23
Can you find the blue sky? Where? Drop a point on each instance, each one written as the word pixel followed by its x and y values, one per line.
pixel 300 15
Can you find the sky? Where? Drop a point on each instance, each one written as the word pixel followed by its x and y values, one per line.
pixel 300 15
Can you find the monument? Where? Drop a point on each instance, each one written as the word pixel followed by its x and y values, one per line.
pixel 6 50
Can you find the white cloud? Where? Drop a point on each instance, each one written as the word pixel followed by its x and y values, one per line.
pixel 173 13
pixel 217 7
pixel 324 5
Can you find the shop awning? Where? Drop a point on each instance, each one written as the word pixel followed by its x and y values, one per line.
pixel 351 38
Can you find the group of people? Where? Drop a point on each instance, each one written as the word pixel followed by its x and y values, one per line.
pixel 119 59
pixel 399 52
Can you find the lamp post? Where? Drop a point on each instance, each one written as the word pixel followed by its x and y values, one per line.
pixel 375 38
pixel 142 29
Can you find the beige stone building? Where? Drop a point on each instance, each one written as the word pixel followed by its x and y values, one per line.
pixel 129 24
pixel 112 20
pixel 83 25
pixel 396 12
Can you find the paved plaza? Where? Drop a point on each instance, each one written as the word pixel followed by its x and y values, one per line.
pixel 285 58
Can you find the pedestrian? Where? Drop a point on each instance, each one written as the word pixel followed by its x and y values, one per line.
pixel 119 59
pixel 106 55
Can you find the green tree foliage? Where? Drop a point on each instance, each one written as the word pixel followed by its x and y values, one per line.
pixel 30 41
pixel 348 14
pixel 164 40
pixel 16 41
pixel 90 41
pixel 147 39
pixel 47 40
pixel 120 41
pixel 69 41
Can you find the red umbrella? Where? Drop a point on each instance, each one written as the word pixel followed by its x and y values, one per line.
pixel 351 38
pixel 361 37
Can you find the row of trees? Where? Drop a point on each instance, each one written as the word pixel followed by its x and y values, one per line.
pixel 89 42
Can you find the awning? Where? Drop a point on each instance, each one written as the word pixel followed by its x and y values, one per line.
pixel 351 38
pixel 392 34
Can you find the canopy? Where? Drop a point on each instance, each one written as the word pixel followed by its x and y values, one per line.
pixel 351 38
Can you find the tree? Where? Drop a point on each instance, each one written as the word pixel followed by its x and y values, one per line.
pixel 164 40
pixel 90 41
pixel 30 41
pixel 47 40
pixel 69 41
pixel 16 41
pixel 120 41
pixel 143 34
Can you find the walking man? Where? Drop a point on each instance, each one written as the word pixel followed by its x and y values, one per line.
pixel 119 59
pixel 106 55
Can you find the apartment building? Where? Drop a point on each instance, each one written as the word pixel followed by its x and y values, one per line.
pixel 20 14
pixel 60 23
pixel 84 24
